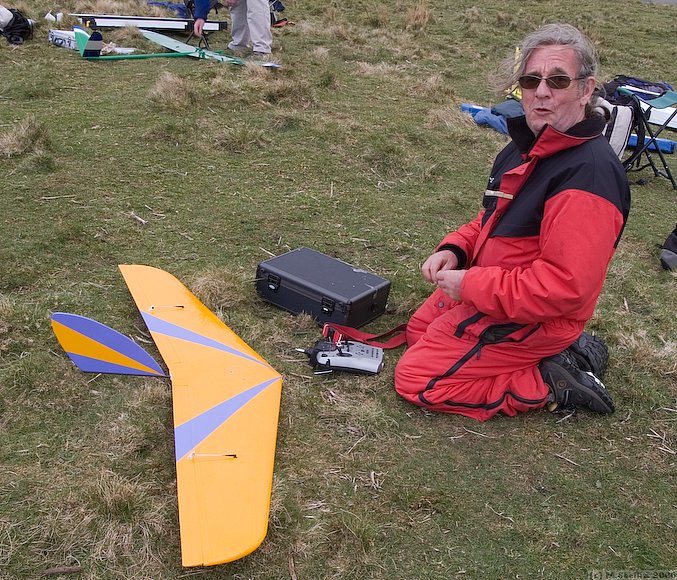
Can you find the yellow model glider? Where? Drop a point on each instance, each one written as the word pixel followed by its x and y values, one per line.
pixel 226 402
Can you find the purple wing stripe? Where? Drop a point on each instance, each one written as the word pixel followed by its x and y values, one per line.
pixel 191 433
pixel 160 326
pixel 94 365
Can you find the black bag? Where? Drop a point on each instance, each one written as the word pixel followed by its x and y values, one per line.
pixel 668 255
pixel 19 28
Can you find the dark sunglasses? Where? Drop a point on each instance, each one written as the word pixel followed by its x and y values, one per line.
pixel 554 82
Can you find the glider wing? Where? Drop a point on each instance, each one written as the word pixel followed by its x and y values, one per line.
pixel 182 47
pixel 194 51
pixel 226 402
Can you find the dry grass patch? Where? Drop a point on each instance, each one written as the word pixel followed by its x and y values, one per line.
pixel 263 87
pixel 7 309
pixel 286 120
pixel 379 16
pixel 295 93
pixel 224 86
pixel 172 92
pixel 463 130
pixel 644 352
pixel 352 411
pixel 118 497
pixel 239 138
pixel 428 85
pixel 472 14
pixel 418 16
pixel 449 117
pixel 128 36
pixel 381 70
pixel 220 289
pixel 320 53
pixel 120 437
pixel 27 136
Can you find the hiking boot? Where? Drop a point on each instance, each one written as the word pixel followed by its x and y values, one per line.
pixel 570 387
pixel 591 354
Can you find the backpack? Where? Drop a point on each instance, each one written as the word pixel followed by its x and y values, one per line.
pixel 620 121
pixel 19 28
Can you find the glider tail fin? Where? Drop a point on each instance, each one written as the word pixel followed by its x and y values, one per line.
pixel 89 45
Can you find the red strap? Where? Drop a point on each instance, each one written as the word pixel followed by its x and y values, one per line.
pixel 398 340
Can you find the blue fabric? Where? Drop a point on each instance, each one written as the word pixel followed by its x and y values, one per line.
pixel 508 108
pixel 180 9
pixel 486 117
pixel 201 9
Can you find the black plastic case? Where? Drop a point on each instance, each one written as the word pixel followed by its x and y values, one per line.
pixel 328 289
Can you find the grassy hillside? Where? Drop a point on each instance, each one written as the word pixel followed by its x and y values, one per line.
pixel 356 148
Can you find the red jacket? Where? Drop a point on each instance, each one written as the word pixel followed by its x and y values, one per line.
pixel 554 210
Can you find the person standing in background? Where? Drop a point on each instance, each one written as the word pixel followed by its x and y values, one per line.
pixel 250 25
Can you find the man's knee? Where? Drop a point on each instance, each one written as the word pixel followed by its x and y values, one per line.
pixel 410 379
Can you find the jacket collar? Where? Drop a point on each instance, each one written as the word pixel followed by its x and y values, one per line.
pixel 549 140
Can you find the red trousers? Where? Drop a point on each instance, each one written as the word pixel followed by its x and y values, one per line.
pixel 461 361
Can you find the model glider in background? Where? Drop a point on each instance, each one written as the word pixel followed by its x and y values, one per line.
pixel 90 46
pixel 226 402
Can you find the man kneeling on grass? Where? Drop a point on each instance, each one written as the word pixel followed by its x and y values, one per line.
pixel 503 331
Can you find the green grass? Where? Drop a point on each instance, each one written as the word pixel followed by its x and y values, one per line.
pixel 355 148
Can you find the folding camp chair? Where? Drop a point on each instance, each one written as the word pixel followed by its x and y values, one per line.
pixel 645 109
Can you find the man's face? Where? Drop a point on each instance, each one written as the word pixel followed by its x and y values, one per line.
pixel 560 108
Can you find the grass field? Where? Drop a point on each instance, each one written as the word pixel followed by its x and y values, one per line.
pixel 356 148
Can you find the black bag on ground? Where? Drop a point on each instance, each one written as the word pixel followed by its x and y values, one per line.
pixel 19 29
pixel 668 254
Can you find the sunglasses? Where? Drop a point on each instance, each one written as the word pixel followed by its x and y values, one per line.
pixel 554 82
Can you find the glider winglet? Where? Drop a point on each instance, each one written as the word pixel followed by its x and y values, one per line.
pixel 97 348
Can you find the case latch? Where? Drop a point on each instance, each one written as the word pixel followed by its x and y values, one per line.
pixel 327 305
pixel 273 282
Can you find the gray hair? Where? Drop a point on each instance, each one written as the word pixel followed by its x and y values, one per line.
pixel 548 35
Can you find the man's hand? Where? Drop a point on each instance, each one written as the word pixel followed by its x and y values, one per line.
pixel 438 262
pixel 450 282
pixel 198 26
